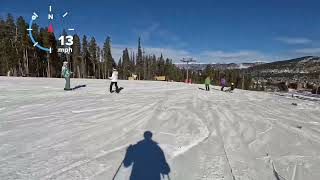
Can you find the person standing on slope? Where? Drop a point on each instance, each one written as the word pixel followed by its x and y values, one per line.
pixel 114 80
pixel 65 72
pixel 207 83
pixel 222 83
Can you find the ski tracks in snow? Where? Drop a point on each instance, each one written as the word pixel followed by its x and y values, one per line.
pixel 205 135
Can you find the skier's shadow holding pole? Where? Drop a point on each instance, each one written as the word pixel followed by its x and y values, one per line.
pixel 147 160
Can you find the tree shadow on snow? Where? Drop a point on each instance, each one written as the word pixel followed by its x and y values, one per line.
pixel 147 159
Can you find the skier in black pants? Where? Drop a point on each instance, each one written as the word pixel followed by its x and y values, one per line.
pixel 114 80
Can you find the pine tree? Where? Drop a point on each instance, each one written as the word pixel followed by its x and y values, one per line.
pixel 107 57
pixel 167 68
pixel 85 57
pixel 126 64
pixel 53 65
pixel 149 66
pixel 120 69
pixel 93 56
pixel 10 52
pixel 2 48
pixel 99 60
pixel 40 57
pixel 139 63
pixel 22 46
pixel 160 66
pixel 154 66
pixel 53 60
pixel 133 63
pixel 76 56
pixel 144 65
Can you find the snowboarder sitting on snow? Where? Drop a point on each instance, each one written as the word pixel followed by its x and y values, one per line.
pixel 65 72
pixel 148 160
pixel 207 82
pixel 114 80
pixel 231 88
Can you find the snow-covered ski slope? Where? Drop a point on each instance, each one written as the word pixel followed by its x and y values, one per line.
pixel 48 133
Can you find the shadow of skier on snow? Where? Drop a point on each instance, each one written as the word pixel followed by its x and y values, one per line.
pixel 147 159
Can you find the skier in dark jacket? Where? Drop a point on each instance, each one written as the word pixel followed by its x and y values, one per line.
pixel 148 160
pixel 222 83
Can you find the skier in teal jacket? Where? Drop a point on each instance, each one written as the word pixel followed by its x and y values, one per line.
pixel 65 72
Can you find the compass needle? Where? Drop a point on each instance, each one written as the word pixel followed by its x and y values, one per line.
pixel 50 28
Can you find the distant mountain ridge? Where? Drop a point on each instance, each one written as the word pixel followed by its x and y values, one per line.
pixel 307 64
pixel 222 66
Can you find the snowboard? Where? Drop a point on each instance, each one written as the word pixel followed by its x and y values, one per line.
pixel 229 90
pixel 118 91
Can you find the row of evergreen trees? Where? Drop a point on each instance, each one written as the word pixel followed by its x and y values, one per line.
pixel 18 57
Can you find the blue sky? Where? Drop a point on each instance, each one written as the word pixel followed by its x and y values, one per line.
pixel 208 30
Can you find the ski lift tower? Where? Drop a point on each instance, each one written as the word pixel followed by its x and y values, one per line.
pixel 187 60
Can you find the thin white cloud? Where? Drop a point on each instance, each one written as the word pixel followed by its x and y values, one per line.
pixel 308 51
pixel 294 40
pixel 203 57
pixel 235 56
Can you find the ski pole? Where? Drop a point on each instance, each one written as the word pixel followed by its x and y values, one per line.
pixel 117 170
pixel 168 177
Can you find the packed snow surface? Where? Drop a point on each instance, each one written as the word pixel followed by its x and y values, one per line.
pixel 48 133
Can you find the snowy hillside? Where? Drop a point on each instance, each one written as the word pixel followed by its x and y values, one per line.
pixel 47 133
